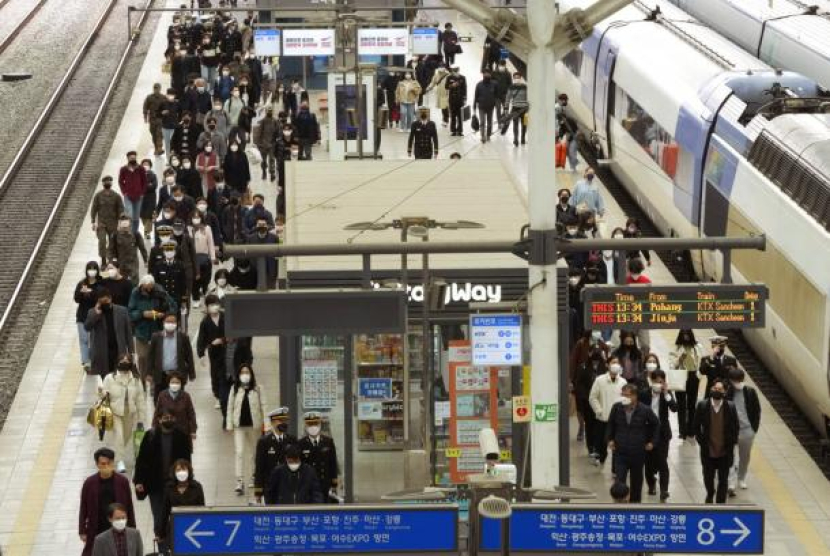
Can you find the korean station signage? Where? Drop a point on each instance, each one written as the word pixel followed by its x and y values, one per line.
pixel 675 306
pixel 382 41
pixel 425 41
pixel 308 42
pixel 497 339
pixel 267 42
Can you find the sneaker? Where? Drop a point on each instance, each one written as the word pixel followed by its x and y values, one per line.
pixel 515 143
pixel 217 405
pixel 664 496
pixel 120 467
pixel 732 493
pixel 240 488
pixel 743 485
pixel 197 304
pixel 652 491
pixel 595 462
pixel 251 483
pixel 580 436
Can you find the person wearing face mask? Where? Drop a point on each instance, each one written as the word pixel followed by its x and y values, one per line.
pixel 285 145
pixel 255 74
pixel 152 116
pixel 661 401
pixel 503 80
pixel 271 447
pixel 118 284
pixel 633 433
pixel 632 231
pixel 107 207
pixel 687 357
pixel 148 203
pixel 245 418
pixel 294 482
pixel 231 42
pixel 256 212
pixel 182 203
pixel 406 95
pixel 119 540
pixel 86 296
pixel 185 137
pixel 224 85
pixel 564 210
pixel 219 115
pixel 571 232
pixel 635 272
pixel 319 452
pixel 183 491
pixel 205 250
pixel 243 275
pixel 264 136
pixel 170 113
pixel 161 446
pixel 423 137
pixel 189 181
pixel 233 106
pixel 126 397
pixel 748 408
pixel 605 392
pixel 586 346
pixel 148 305
pixel 208 60
pixel 575 284
pixel 456 85
pixel 716 427
pixel 211 340
pixel 132 179
pixel 262 235
pixel 165 190
pixel 566 130
pixel 582 380
pixel 715 367
pixel 179 404
pixel 206 162
pixel 233 220
pixel 170 353
pixel 218 199
pixel 586 195
pixel 516 100
pixel 237 168
pixel 442 96
pixel 110 334
pixel 222 285
pixel 170 274
pixel 306 130
pixel 449 41
pixel 205 211
pixel 213 137
pixel 484 101
pixel 125 246
pixel 100 490
pixel 630 357
pixel 179 70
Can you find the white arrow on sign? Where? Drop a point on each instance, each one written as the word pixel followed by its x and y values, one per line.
pixel 743 531
pixel 192 533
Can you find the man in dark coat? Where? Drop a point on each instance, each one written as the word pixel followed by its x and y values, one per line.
pixel 423 137
pixel 456 85
pixel 294 482
pixel 262 236
pixel 633 432
pixel 485 100
pixel 170 274
pixel 160 448
pixel 110 333
pixel 99 491
pixel 319 452
pixel 170 351
pixel 716 366
pixel 661 402
pixel 716 430
pixel 270 449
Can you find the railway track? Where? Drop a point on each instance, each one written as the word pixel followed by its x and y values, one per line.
pixel 679 264
pixel 44 175
pixel 19 13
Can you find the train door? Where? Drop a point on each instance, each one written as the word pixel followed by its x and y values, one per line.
pixel 604 93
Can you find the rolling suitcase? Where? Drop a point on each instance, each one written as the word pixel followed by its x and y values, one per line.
pixel 561 154
pixel 669 159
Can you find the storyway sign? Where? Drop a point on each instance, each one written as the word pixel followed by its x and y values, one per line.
pixel 617 528
pixel 363 529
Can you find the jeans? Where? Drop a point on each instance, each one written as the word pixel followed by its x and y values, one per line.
pixel 744 449
pixel 485 120
pixel 407 115
pixel 167 136
pixel 630 463
pixel 133 210
pixel 83 342
pixel 209 75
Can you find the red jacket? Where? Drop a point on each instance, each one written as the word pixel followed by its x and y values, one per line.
pixel 88 515
pixel 133 182
pixel 642 279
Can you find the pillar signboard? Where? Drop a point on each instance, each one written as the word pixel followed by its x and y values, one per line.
pixel 382 41
pixel 308 42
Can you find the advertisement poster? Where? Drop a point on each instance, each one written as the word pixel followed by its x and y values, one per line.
pixel 381 42
pixel 473 406
pixel 308 42
pixel 319 384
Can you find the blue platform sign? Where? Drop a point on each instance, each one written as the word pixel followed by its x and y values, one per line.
pixel 496 339
pixel 612 528
pixel 375 388
pixel 426 529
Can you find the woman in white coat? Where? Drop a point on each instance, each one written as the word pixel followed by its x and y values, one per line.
pixel 127 401
pixel 245 417
pixel 442 95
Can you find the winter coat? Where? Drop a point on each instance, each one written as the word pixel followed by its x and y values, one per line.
pixel 96 325
pixel 148 203
pixel 237 170
pixel 181 407
pixel 234 106
pixel 158 301
pixel 423 139
pixel 193 496
pixel 184 357
pixel 133 181
pixel 442 95
pixel 223 86
pixel 206 164
pixel 126 394
pixel 503 81
pixel 517 96
pixel 408 91
pixel 233 223
pixel 124 248
pixel 170 114
pixel 184 140
pixel 107 207
pixel 172 277
pixel 90 512
pixel 630 439
pixel 306 126
pixel 456 85
pixel 485 95
pixel 217 139
pixel 293 487
pixel 235 400
pixel 86 301
pixel 268 129
pixel 222 125
pixel 604 394
pixel 148 466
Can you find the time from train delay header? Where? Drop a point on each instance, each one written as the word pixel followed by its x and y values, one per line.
pixel 675 306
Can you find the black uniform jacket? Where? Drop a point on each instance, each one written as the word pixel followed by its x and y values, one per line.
pixel 293 487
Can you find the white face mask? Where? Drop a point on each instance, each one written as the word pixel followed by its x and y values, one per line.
pixel 607 253
pixel 170 255
pixel 657 387
pixel 651 367
pixel 572 231
pixel 197 221
pixel 170 326
pixel 615 369
pixel 92 273
pixel 596 335
pixel 738 385
pixel 202 207
pixel 286 133
pixel 574 281
pixel 208 149
pixel 213 309
pixel 119 524
pixel 170 180
pixel 182 476
pixel 234 148
pixel 186 165
pixel 169 215
pixel 245 378
pixel 175 386
pixel 635 276
pixel 313 430
pixel 625 401
pixel 293 466
pixel 221 282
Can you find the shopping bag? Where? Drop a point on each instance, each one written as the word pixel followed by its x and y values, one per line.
pixel 254 156
pixel 676 379
pixel 466 113
pixel 100 416
pixel 138 438
pixel 474 123
pixel 561 154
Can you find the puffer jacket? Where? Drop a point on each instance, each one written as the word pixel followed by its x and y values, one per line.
pixel 408 91
pixel 159 301
pixel 604 394
pixel 235 399
pixel 126 394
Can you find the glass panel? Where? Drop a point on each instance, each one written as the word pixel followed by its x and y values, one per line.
pixel 379 361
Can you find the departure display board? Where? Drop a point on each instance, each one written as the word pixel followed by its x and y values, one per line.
pixel 675 306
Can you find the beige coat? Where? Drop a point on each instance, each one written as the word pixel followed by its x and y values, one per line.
pixel 438 84
pixel 407 92
pixel 126 394
pixel 235 400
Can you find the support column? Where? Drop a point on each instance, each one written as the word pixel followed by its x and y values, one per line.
pixel 541 15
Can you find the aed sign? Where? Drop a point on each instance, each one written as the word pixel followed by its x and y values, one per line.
pixel 521 409
pixel 545 412
pixel 382 42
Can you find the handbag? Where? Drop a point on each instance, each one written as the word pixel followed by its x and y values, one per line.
pixel 475 124
pixel 100 416
pixel 466 113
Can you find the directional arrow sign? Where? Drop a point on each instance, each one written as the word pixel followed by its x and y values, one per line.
pixel 193 535
pixel 743 531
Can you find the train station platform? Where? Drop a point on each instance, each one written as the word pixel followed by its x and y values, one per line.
pixel 46 445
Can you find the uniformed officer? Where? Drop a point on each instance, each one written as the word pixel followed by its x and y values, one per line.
pixel 716 366
pixel 423 136
pixel 270 449
pixel 170 275
pixel 319 452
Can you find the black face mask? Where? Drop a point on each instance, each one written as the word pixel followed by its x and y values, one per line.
pixel 282 427
pixel 107 184
pixel 717 395
pixel 167 426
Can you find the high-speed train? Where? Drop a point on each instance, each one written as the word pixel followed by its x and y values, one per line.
pixel 786 34
pixel 710 141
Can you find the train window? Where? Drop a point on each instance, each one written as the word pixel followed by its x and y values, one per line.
pixel 656 141
pixel 573 61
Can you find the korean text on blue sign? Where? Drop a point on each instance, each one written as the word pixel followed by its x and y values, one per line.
pixel 375 388
pixel 306 529
pixel 621 529
pixel 425 41
pixel 267 42
pixel 496 339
